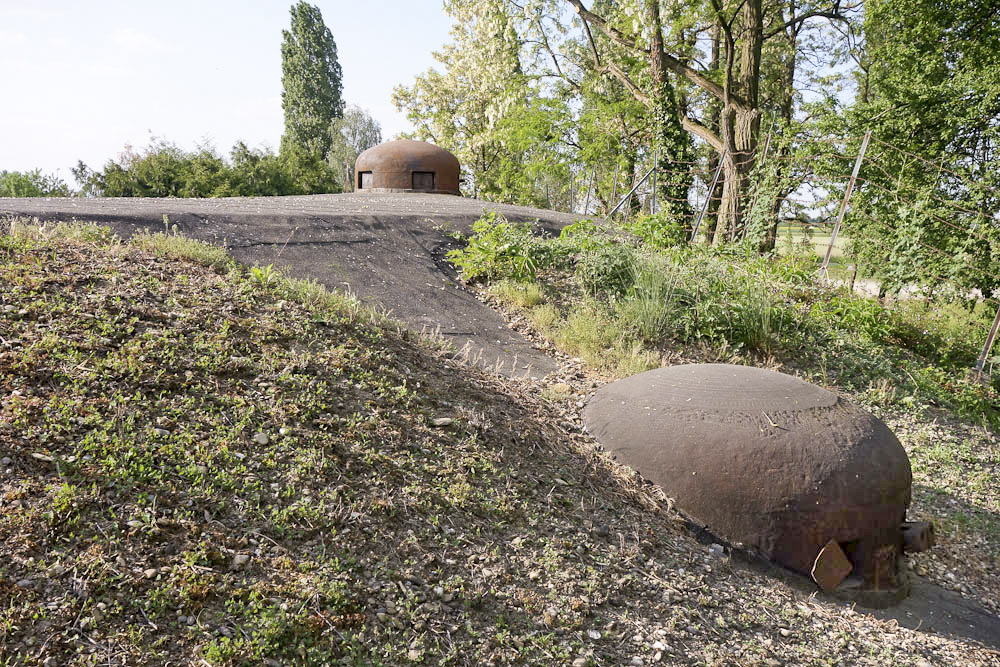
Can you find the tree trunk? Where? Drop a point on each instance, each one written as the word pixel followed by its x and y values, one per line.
pixel 741 123
pixel 785 110
pixel 670 139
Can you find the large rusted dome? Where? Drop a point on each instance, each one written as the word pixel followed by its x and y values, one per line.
pixel 407 166
pixel 767 460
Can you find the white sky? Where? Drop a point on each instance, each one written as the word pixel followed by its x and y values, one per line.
pixel 80 79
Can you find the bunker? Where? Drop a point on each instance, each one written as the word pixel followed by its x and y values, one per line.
pixel 407 166
pixel 774 464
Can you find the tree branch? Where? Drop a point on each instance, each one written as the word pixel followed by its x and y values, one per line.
pixel 626 81
pixel 699 130
pixel 834 13
pixel 672 63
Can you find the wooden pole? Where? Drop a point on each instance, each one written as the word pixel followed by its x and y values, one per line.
pixel 823 270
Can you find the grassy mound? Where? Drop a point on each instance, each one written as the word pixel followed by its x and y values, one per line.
pixel 204 463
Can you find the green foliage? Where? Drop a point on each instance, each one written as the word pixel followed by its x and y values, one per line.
pixel 522 295
pixel 661 230
pixel 163 169
pixel 607 269
pixel 181 247
pixel 311 83
pixel 500 249
pixel 630 303
pixel 932 89
pixel 510 138
pixel 351 135
pixel 861 317
pixel 264 276
pixel 32 184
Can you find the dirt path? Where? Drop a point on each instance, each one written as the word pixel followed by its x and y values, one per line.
pixel 386 248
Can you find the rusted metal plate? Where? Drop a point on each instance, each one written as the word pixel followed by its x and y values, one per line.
pixel 830 567
pixel 763 459
pixel 408 166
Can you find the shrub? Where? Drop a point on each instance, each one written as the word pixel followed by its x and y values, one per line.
pixel 659 230
pixel 607 270
pixel 32 184
pixel 499 250
pixel 855 314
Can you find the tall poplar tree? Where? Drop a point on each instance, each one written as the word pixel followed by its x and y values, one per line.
pixel 311 83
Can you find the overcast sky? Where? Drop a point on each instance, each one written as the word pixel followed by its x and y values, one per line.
pixel 80 80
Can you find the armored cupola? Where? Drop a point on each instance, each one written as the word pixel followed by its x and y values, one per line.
pixel 407 166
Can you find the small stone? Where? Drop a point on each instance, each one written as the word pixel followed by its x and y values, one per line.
pixel 580 662
pixel 659 646
pixel 25 583
pixel 382 616
pixel 161 432
pixel 150 572
pixel 438 591
pixel 6 461
pixel 441 422
pixel 534 575
pixel 637 661
pixel 594 634
pixel 240 561
pixel 923 663
pixel 261 438
pixel 785 632
pixel 717 550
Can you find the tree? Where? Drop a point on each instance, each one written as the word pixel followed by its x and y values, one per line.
pixel 731 81
pixel 354 133
pixel 311 84
pixel 163 169
pixel 32 184
pixel 930 93
pixel 483 106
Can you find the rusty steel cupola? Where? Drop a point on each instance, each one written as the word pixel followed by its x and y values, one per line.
pixel 407 166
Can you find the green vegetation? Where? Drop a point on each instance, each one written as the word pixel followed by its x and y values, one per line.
pixel 163 169
pixel 621 305
pixel 32 184
pixel 566 104
pixel 206 462
pixel 310 84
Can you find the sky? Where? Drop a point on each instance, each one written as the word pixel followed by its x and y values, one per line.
pixel 80 80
